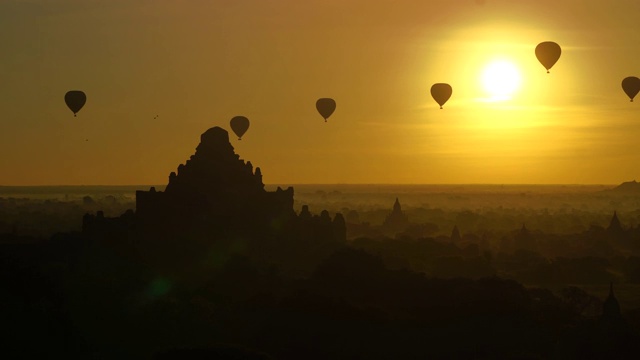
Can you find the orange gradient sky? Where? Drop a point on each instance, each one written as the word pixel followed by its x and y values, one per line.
pixel 196 64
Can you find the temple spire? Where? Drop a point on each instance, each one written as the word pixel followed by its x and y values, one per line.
pixel 455 234
pixel 396 220
pixel 611 307
pixel 396 206
pixel 614 224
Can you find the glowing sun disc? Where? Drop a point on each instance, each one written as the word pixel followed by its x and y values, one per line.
pixel 500 79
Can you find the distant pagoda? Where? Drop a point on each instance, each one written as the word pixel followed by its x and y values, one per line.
pixel 397 219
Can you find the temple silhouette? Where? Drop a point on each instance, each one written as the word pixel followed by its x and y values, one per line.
pixel 215 205
pixel 397 220
pixel 611 336
pixel 216 266
pixel 615 228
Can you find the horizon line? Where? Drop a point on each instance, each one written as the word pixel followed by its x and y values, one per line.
pixel 334 184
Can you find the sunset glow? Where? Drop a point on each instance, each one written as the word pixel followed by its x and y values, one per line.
pixel 158 73
pixel 500 80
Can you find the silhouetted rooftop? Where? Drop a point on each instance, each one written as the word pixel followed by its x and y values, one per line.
pixel 215 169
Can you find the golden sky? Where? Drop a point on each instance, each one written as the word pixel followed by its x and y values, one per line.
pixel 198 63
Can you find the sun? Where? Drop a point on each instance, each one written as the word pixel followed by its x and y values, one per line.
pixel 500 79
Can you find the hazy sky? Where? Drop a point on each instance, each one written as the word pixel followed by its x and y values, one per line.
pixel 197 63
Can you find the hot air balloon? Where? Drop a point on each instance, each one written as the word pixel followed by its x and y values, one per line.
pixel 239 125
pixel 75 100
pixel 631 86
pixel 548 54
pixel 441 93
pixel 326 107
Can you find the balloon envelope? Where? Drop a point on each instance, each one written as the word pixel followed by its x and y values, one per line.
pixel 631 86
pixel 548 53
pixel 239 125
pixel 75 100
pixel 326 107
pixel 441 93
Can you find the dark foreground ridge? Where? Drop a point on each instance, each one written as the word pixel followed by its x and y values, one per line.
pixel 216 267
